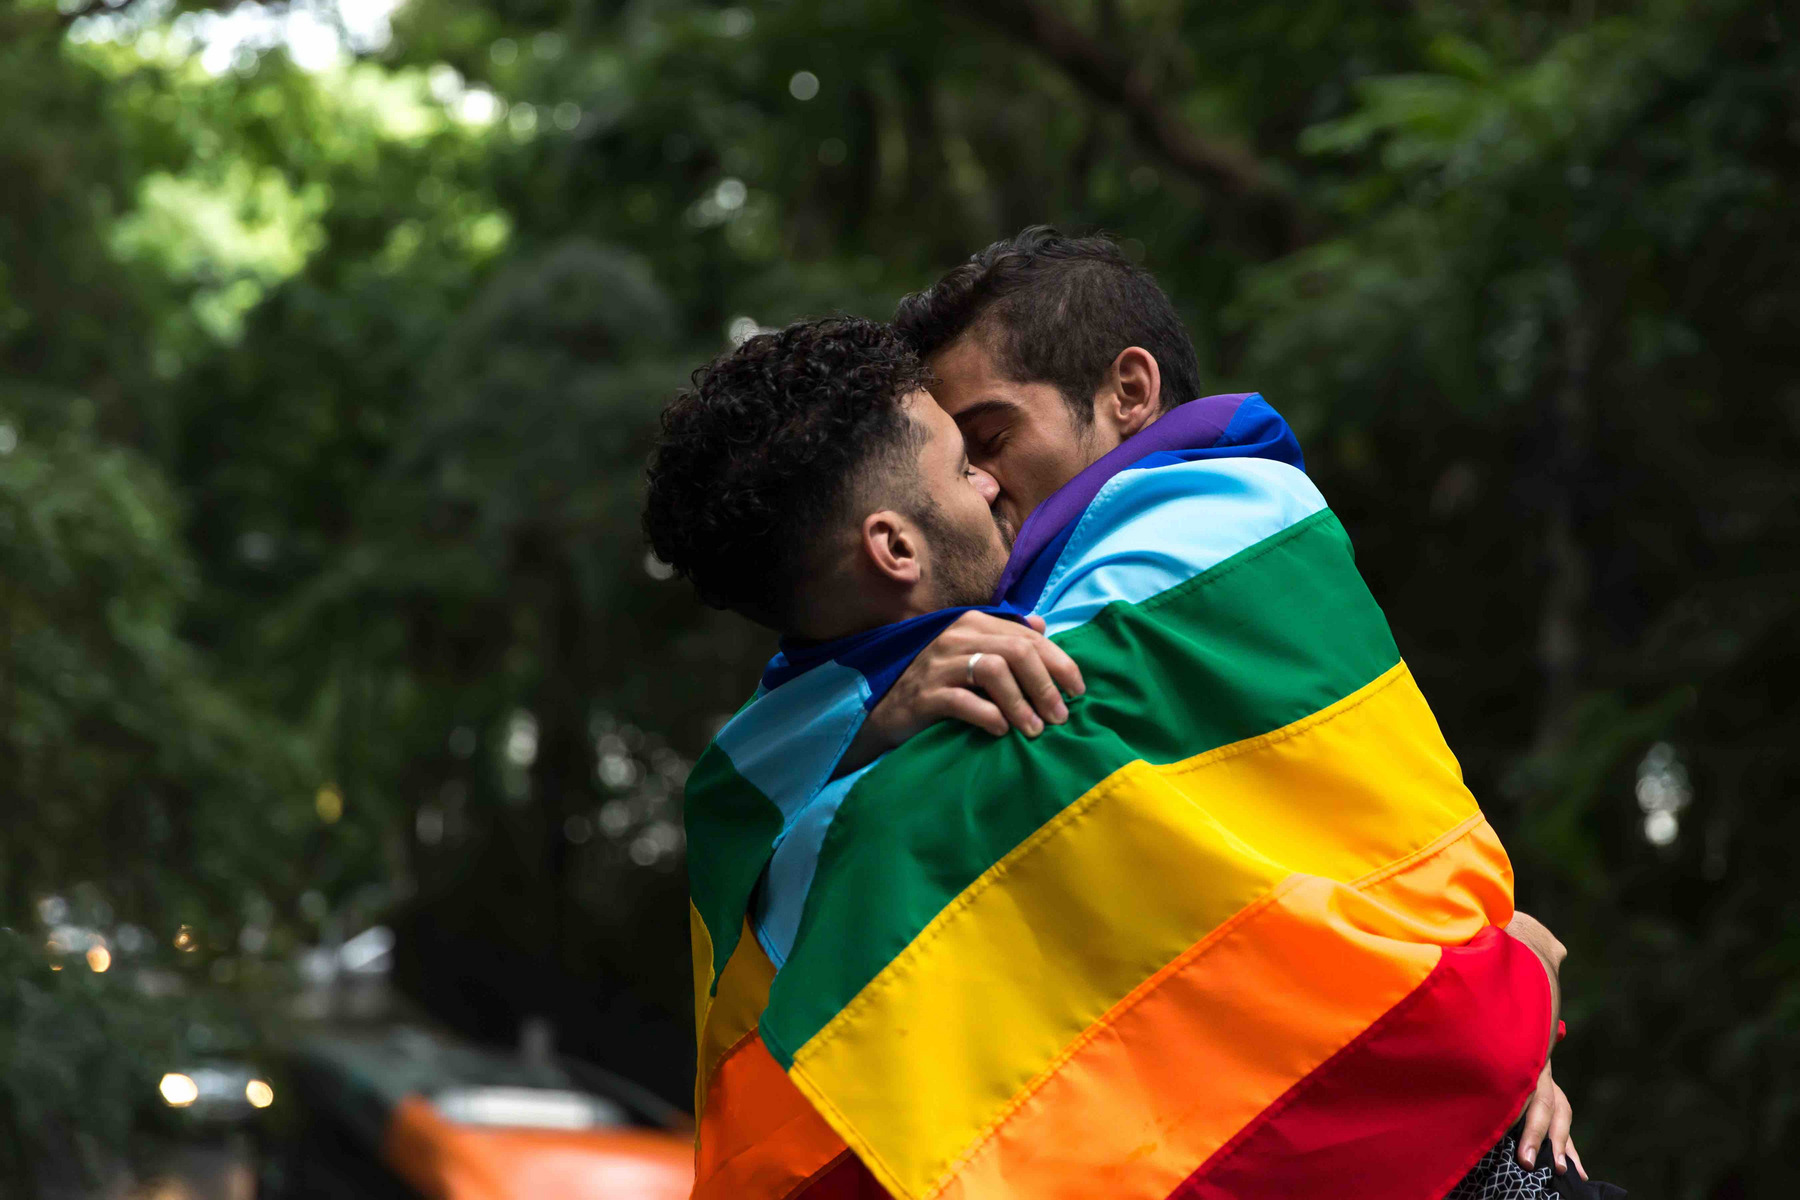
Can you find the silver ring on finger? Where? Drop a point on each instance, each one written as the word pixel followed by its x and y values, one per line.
pixel 973 659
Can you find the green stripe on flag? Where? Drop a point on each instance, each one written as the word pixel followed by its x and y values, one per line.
pixel 1271 635
pixel 729 837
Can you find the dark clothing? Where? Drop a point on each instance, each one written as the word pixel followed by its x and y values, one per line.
pixel 1498 1176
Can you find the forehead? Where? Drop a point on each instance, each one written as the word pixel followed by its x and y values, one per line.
pixel 939 428
pixel 966 373
pixel 971 386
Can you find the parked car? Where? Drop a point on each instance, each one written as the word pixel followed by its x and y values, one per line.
pixel 408 1114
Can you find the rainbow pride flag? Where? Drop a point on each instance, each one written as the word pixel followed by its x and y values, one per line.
pixel 1229 932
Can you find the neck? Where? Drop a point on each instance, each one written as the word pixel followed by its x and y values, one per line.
pixel 845 615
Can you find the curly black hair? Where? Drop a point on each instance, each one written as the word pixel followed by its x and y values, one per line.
pixel 762 454
pixel 1056 310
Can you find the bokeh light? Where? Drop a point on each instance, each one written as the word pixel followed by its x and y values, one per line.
pixel 329 804
pixel 178 1090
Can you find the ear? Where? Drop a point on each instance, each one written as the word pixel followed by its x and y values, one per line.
pixel 892 548
pixel 1131 395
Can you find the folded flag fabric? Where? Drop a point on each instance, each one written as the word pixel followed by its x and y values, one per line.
pixel 1229 932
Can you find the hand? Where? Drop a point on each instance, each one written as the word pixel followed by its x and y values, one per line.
pixel 1550 952
pixel 1548 1112
pixel 1021 677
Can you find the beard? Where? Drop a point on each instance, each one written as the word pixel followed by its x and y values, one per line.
pixel 1007 532
pixel 965 565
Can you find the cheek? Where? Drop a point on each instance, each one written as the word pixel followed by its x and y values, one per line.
pixel 1035 471
pixel 978 519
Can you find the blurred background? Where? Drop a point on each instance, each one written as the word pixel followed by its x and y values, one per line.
pixel 339 697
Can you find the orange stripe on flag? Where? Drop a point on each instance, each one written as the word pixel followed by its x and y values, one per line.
pixel 1201 1048
pixel 759 1138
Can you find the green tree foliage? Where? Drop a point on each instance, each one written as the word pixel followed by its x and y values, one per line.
pixel 126 759
pixel 1571 280
pixel 326 382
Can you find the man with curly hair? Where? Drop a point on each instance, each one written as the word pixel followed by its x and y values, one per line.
pixel 807 481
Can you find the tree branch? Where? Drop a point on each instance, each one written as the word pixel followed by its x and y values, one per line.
pixel 1112 77
pixel 66 17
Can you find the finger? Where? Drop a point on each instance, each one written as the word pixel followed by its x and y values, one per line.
pixel 971 708
pixel 994 675
pixel 1026 657
pixel 1062 668
pixel 1036 622
pixel 970 634
pixel 979 633
pixel 1537 1122
pixel 1575 1158
pixel 1561 1116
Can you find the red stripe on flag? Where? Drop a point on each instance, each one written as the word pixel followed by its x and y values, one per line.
pixel 1407 1108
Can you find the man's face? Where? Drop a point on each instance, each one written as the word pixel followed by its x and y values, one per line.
pixel 1023 434
pixel 966 543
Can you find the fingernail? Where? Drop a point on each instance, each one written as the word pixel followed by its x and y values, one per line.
pixel 1035 728
pixel 1060 712
pixel 1562 1164
pixel 1530 1156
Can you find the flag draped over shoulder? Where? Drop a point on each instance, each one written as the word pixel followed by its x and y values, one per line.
pixel 1229 932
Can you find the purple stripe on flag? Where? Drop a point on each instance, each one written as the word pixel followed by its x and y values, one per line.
pixel 1194 425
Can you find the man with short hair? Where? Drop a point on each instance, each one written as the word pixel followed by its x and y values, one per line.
pixel 1050 352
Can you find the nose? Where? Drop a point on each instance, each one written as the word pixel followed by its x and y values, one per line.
pixel 986 486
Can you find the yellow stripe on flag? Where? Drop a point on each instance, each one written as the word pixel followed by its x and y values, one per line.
pixel 700 944
pixel 736 1006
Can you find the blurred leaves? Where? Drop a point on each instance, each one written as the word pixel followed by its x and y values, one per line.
pixel 127 760
pixel 80 1058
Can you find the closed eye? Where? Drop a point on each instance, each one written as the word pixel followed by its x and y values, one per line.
pixel 984 426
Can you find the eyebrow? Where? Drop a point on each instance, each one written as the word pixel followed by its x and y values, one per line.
pixel 984 408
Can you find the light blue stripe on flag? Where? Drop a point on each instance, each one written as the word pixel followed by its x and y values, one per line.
pixel 1151 528
pixel 788 741
pixel 791 870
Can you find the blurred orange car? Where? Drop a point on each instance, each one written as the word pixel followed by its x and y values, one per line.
pixel 410 1115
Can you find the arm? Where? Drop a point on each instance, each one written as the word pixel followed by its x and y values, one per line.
pixel 1551 952
pixel 1547 1113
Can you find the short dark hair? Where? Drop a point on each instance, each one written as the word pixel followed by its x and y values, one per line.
pixel 766 448
pixel 1057 310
